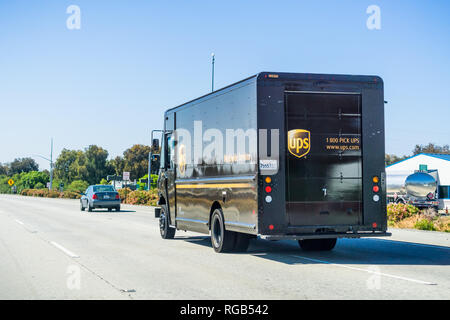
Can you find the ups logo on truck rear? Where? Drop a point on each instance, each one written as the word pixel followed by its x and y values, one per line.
pixel 299 142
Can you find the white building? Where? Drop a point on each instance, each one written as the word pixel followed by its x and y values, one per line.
pixel 397 173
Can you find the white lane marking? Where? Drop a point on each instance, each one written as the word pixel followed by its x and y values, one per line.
pixel 69 253
pixel 368 271
pixel 29 229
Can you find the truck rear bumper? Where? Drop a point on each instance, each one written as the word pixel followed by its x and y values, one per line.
pixel 325 235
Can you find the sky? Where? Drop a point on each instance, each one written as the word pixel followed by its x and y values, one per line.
pixel 109 82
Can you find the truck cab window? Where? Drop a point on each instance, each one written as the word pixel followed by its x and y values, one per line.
pixel 170 155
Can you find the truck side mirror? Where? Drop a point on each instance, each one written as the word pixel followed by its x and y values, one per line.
pixel 155 144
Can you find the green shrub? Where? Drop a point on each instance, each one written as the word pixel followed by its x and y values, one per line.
pixel 78 186
pixel 39 185
pixel 400 211
pixel 425 224
pixel 153 184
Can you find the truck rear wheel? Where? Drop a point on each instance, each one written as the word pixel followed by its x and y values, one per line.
pixel 221 239
pixel 317 244
pixel 165 230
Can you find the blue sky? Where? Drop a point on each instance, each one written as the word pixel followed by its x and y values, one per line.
pixel 109 82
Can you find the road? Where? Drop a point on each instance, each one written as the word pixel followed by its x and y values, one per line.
pixel 49 249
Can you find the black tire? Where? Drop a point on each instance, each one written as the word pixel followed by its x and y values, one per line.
pixel 221 239
pixel 165 230
pixel 242 242
pixel 82 208
pixel 317 244
pixel 109 209
pixel 118 208
pixel 89 207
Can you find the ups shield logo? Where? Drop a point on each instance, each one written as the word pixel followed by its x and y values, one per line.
pixel 299 142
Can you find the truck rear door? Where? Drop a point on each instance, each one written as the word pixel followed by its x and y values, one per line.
pixel 323 159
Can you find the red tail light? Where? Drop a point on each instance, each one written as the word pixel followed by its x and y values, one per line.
pixel 94 196
pixel 376 188
pixel 268 189
pixel 117 197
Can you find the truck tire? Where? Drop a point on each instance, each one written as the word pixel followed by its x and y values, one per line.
pixel 165 230
pixel 317 244
pixel 221 239
pixel 242 242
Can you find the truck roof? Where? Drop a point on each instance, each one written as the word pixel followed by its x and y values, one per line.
pixel 288 75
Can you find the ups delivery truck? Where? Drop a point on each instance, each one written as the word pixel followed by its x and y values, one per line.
pixel 277 155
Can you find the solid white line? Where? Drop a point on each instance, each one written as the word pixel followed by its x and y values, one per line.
pixel 69 253
pixel 368 271
pixel 19 222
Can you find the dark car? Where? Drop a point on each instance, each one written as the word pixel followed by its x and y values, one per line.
pixel 100 196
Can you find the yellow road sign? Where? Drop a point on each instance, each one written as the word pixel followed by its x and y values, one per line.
pixel 10 182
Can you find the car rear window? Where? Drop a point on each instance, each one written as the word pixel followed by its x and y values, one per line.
pixel 103 188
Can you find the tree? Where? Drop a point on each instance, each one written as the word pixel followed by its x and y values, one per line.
pixel 431 148
pixel 20 165
pixel 78 186
pixel 118 164
pixel 90 166
pixel 97 165
pixel 3 169
pixel 392 158
pixel 31 179
pixel 136 160
pixel 67 165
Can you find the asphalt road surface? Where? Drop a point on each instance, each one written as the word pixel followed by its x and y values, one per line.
pixel 49 249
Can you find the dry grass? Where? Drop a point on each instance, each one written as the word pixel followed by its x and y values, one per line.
pixel 441 223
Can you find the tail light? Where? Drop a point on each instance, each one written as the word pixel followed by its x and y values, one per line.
pixel 117 197
pixel 94 196
pixel 268 189
pixel 375 188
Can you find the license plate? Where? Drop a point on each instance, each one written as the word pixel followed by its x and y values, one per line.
pixel 106 197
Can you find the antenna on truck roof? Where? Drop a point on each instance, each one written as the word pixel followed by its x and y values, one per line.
pixel 212 78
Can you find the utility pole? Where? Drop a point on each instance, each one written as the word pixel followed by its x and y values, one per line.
pixel 51 163
pixel 212 80
pixel 51 166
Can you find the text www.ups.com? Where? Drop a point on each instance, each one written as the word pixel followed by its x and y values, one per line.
pixel 342 147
